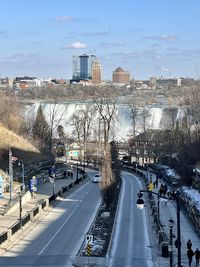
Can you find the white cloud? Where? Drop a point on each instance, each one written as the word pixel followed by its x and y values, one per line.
pixel 75 45
pixel 168 37
pixel 64 18
pixel 96 33
pixel 106 44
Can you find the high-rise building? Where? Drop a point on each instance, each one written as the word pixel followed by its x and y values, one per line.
pixel 82 67
pixel 76 67
pixel 84 70
pixel 96 72
pixel 121 76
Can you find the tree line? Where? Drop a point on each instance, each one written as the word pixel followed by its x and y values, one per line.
pixel 93 126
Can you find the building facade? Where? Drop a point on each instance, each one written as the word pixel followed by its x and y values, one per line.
pixel 96 72
pixel 82 67
pixel 84 70
pixel 145 148
pixel 121 76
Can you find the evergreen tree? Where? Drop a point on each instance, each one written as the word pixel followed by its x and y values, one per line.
pixel 61 133
pixel 41 130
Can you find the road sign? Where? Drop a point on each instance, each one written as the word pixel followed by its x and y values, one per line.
pixel 33 184
pixel 89 239
pixel 89 249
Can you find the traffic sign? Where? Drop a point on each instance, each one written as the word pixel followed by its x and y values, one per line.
pixel 89 239
pixel 89 250
pixel 33 184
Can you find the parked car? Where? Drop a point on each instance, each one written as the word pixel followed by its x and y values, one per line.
pixel 96 178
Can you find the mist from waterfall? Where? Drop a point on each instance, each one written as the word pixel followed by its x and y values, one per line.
pixel 121 130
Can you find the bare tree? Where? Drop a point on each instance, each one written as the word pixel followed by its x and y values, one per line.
pixel 190 106
pixel 81 120
pixel 10 110
pixel 134 112
pixel 144 114
pixel 107 107
pixel 55 115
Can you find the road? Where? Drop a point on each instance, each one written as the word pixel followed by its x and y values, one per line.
pixel 131 245
pixel 56 238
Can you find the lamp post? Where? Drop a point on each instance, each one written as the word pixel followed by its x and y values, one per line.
pixel 173 196
pixel 171 224
pixel 77 172
pixel 21 163
pixel 20 209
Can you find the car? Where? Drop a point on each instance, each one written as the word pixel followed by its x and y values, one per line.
pixel 96 178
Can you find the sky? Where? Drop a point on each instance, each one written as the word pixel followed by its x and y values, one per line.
pixel 146 37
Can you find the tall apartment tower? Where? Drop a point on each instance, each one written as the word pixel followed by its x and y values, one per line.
pixel 96 72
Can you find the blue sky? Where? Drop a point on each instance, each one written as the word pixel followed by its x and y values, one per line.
pixel 145 37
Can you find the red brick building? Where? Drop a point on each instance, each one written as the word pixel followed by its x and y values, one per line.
pixel 121 76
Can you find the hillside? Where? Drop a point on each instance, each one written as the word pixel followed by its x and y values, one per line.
pixel 20 147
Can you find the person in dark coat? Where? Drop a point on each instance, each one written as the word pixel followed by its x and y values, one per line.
pixel 190 255
pixel 197 256
pixel 189 244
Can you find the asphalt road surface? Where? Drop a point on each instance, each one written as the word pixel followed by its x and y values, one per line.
pixel 57 237
pixel 131 245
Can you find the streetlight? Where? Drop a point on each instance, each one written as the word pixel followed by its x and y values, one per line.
pixel 21 163
pixel 172 196
pixel 20 209
pixel 77 172
pixel 171 224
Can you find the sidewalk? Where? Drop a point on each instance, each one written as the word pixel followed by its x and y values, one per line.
pixel 168 211
pixel 44 192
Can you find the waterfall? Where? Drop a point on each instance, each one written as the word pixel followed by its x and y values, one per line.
pixel 123 124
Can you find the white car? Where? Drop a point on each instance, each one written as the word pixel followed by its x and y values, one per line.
pixel 96 178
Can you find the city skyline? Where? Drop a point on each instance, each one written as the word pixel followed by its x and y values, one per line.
pixel 147 38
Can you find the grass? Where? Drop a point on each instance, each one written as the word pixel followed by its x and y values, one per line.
pixel 20 147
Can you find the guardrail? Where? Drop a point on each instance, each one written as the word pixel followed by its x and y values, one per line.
pixel 8 204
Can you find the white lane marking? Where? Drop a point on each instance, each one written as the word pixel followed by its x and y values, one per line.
pixel 57 232
pixel 131 222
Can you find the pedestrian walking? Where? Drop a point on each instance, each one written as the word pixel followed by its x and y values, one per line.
pixel 165 189
pixel 189 244
pixel 190 255
pixel 65 174
pixel 161 189
pixel 197 256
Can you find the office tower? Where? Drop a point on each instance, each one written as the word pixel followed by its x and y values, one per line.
pixel 76 67
pixel 82 67
pixel 121 76
pixel 84 70
pixel 96 72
